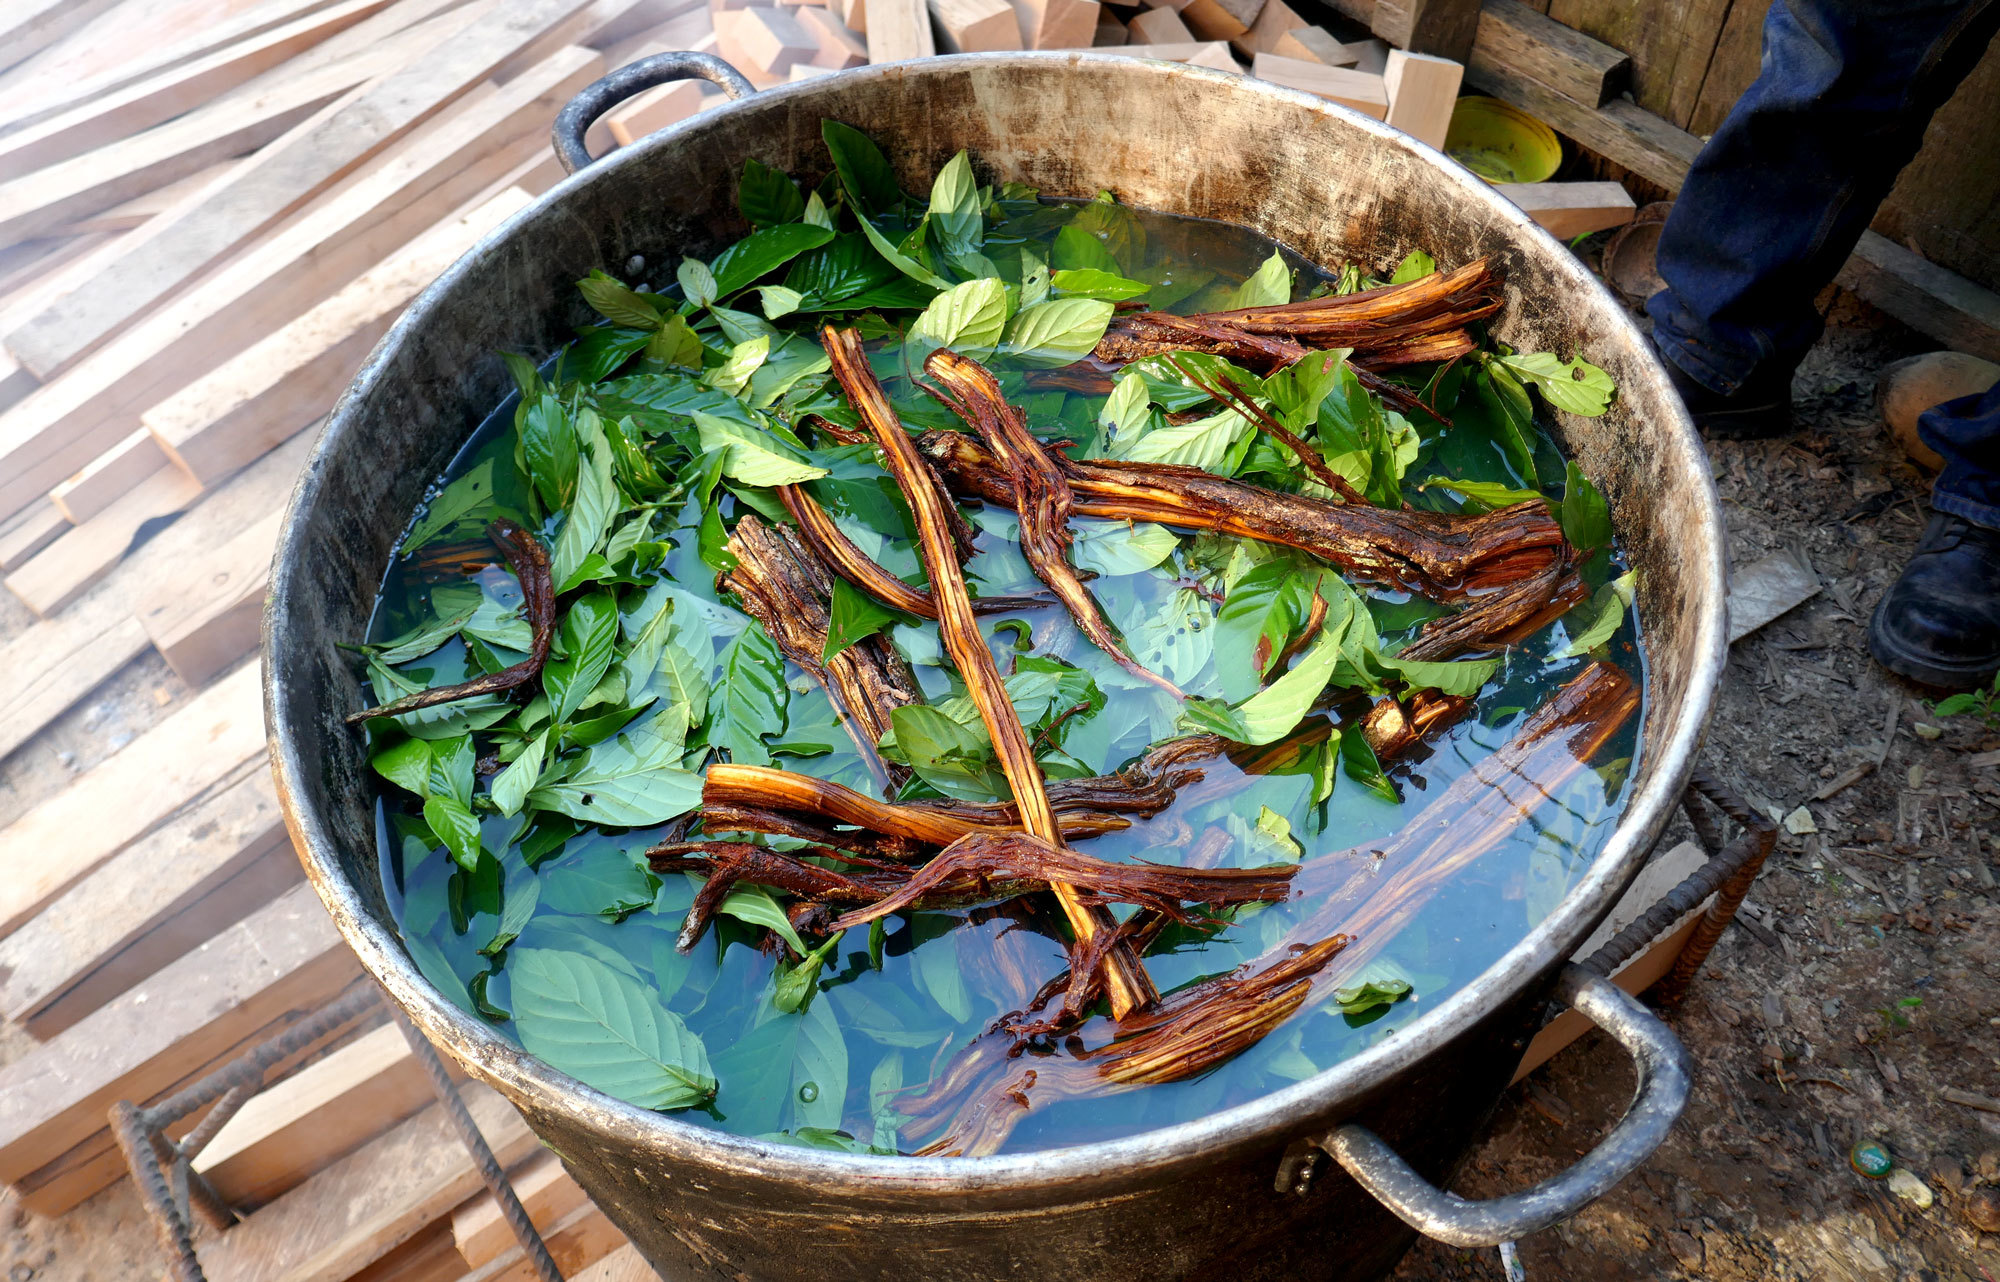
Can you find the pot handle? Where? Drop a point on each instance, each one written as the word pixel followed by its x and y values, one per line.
pixel 1662 1093
pixel 598 97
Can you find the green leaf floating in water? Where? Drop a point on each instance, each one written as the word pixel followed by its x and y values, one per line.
pixel 1370 993
pixel 606 1030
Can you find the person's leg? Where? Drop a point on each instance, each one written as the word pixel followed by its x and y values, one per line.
pixel 1777 199
pixel 1939 622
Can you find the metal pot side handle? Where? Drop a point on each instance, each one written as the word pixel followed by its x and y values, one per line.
pixel 1662 1093
pixel 598 97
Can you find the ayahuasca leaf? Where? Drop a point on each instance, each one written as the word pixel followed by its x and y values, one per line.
pixel 1584 515
pixel 754 904
pixel 635 780
pixel 753 455
pixel 749 701
pixel 1415 266
pixel 1269 285
pixel 864 171
pixel 582 652
pixel 604 1029
pixel 767 196
pixel 1096 283
pixel 947 755
pixel 968 318
pixel 954 210
pixel 1574 385
pixel 1605 612
pixel 601 881
pixel 762 252
pixel 618 302
pixel 853 616
pixel 1058 332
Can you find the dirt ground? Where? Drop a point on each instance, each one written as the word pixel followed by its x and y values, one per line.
pixel 1867 983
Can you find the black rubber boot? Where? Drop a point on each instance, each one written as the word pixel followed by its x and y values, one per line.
pixel 1939 622
pixel 1755 411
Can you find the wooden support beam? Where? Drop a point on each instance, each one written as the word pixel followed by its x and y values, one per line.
pixel 62 571
pixel 1939 304
pixel 896 30
pixel 108 477
pixel 1422 92
pixel 102 121
pixel 366 1204
pixel 55 663
pixel 285 175
pixel 287 957
pixel 1572 209
pixel 56 844
pixel 288 380
pixel 975 26
pixel 837 47
pixel 1360 90
pixel 1528 43
pixel 206 615
pixel 317 1116
pixel 161 897
pixel 420 180
pixel 140 210
pixel 1444 28
pixel 1198 53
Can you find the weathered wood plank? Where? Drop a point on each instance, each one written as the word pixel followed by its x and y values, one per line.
pixel 285 957
pixel 66 568
pixel 59 661
pixel 547 1193
pixel 288 380
pixel 1443 28
pixel 417 182
pixel 898 29
pixel 206 616
pixel 1515 38
pixel 106 119
pixel 30 26
pixel 315 1117
pixel 286 174
pixel 108 477
pixel 1572 209
pixel 117 922
pixel 1934 302
pixel 357 1210
pixel 56 844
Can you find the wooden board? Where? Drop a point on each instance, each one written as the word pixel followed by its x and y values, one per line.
pixel 285 957
pixel 104 120
pixel 1357 89
pixel 206 616
pixel 28 532
pixel 1443 28
pixel 288 380
pixel 141 210
pixel 108 477
pixel 623 1265
pixel 1669 42
pixel 29 26
pixel 1934 302
pixel 1517 38
pixel 1422 90
pixel 896 30
pixel 57 662
pixel 286 174
pixel 1314 45
pixel 547 1193
pixel 66 568
pixel 369 1202
pixel 156 900
pixel 1572 209
pixel 576 1241
pixel 44 200
pixel 975 26
pixel 59 842
pixel 315 1117
pixel 417 182
pixel 1620 131
pixel 1159 27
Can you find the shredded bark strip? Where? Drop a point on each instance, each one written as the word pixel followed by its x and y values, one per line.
pixel 785 587
pixel 1041 495
pixel 1439 555
pixel 974 1104
pixel 530 562
pixel 1231 395
pixel 1128 984
pixel 728 863
pixel 987 866
pixel 1381 326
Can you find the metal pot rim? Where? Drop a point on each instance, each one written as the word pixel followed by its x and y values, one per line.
pixel 1291 1111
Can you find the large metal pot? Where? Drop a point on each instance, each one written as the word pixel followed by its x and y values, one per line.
pixel 1235 1191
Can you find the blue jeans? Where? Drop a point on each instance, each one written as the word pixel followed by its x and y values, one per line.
pixel 1775 202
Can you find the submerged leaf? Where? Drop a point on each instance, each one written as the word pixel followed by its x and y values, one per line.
pixel 604 1029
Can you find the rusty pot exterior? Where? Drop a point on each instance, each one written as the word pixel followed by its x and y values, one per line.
pixel 1191 1201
